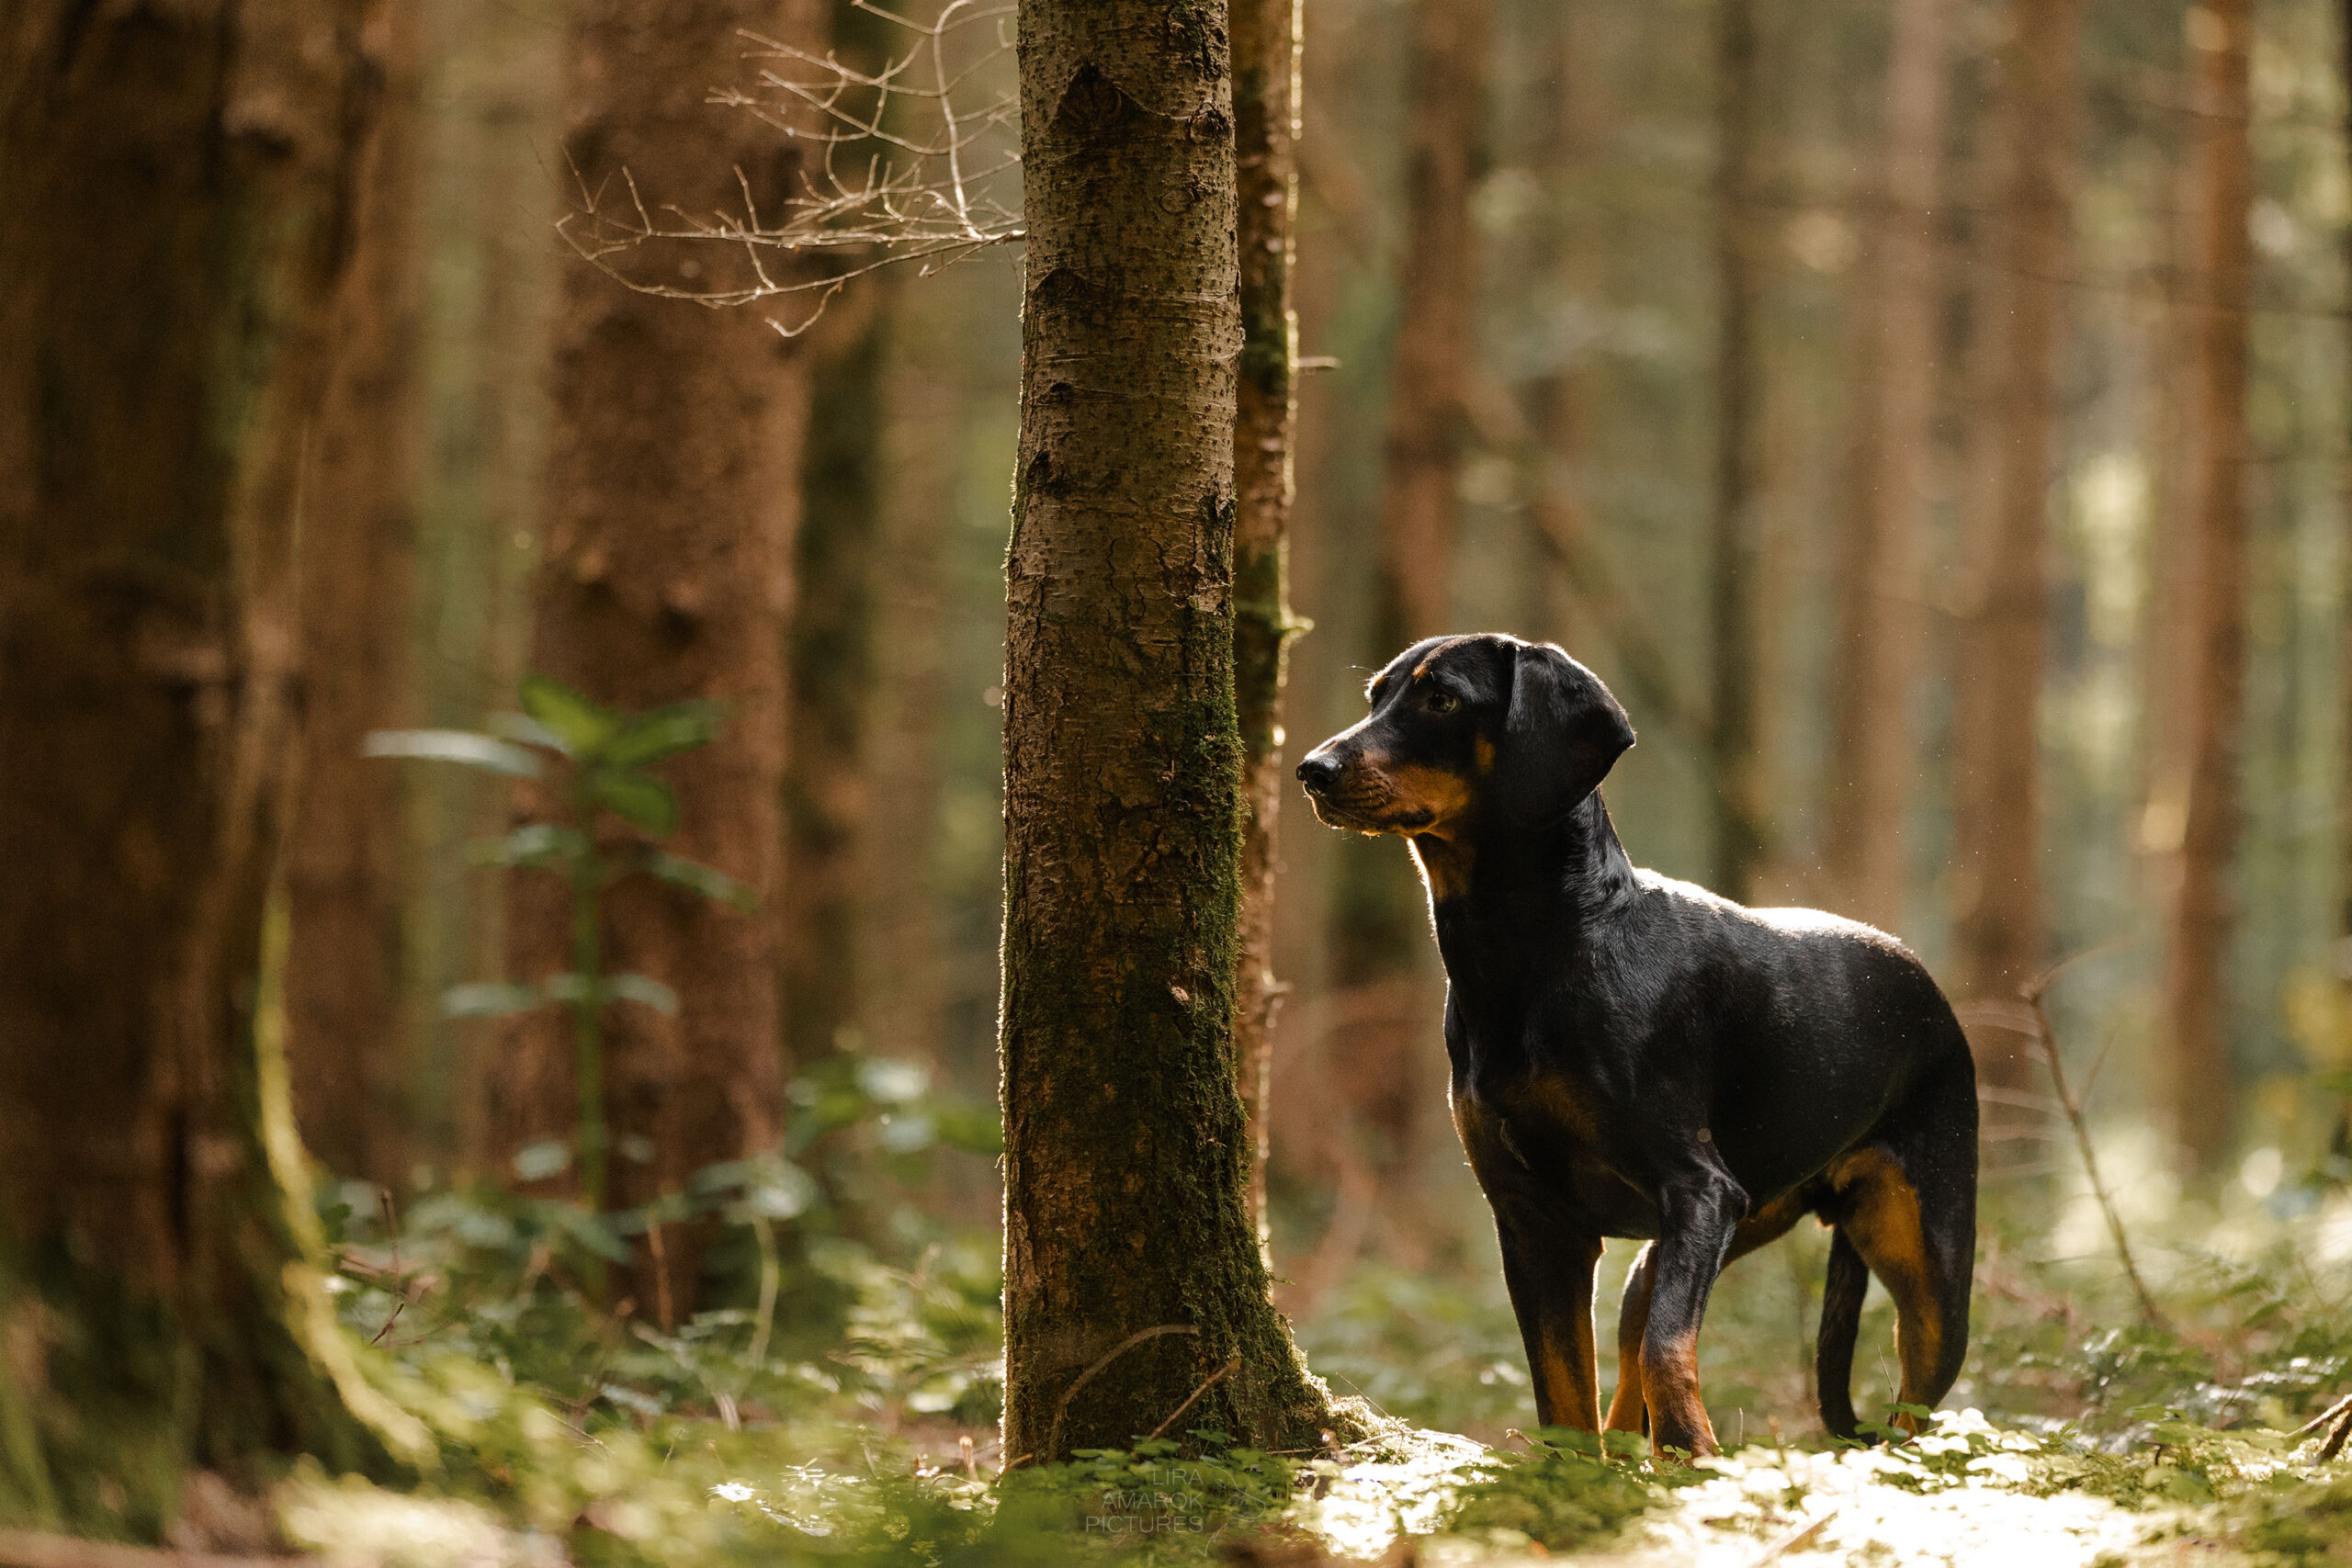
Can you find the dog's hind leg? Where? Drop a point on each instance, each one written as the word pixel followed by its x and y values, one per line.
pixel 1909 1204
pixel 1628 1411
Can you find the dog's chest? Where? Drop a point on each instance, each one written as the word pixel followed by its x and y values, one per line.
pixel 1547 1137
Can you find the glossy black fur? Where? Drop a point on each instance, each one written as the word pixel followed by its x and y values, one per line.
pixel 1634 1057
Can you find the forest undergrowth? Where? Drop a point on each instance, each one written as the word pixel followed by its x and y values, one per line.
pixel 843 1408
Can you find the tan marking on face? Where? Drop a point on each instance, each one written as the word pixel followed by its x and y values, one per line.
pixel 1483 750
pixel 1416 788
pixel 1420 669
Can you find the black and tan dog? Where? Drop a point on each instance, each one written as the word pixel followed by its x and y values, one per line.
pixel 1633 1056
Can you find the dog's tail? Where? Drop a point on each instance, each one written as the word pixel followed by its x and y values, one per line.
pixel 1841 1317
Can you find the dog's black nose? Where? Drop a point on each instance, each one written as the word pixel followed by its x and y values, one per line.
pixel 1318 773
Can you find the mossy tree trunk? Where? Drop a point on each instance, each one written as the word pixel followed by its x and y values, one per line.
pixel 347 1030
pixel 1132 1268
pixel 2018 315
pixel 1267 43
pixel 1881 594
pixel 185 179
pixel 2220 44
pixel 672 497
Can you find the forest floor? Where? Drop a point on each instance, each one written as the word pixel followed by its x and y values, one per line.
pixel 838 1403
pixel 848 1419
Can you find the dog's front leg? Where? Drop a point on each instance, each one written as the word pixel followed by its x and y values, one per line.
pixel 1698 1213
pixel 1548 1265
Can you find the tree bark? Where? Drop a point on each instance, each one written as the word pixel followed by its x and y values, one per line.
pixel 1380 940
pixel 1268 39
pixel 1132 1268
pixel 184 182
pixel 672 497
pixel 1428 382
pixel 1734 743
pixel 346 1027
pixel 2020 316
pixel 830 671
pixel 496 88
pixel 1881 599
pixel 831 665
pixel 2196 1012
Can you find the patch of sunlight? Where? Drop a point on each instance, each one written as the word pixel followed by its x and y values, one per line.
pixel 1400 1485
pixel 349 1523
pixel 1871 1507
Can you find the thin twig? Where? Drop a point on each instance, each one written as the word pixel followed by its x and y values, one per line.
pixel 1796 1536
pixel 2034 992
pixel 2323 1418
pixel 2334 1444
pixel 1213 1379
pixel 393 1231
pixel 1061 1411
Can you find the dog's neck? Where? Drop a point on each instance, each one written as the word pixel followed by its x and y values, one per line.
pixel 1501 895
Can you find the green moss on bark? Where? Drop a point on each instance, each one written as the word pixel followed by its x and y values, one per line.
pixel 1127 1152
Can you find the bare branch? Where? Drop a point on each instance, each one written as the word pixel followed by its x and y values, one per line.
pixel 929 137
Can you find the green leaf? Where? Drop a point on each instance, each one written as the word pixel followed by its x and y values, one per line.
pixel 524 731
pixel 708 881
pixel 970 1129
pixel 579 725
pixel 595 1233
pixel 461 746
pixel 536 1162
pixel 540 845
pixel 495 999
pixel 2336 1082
pixel 570 989
pixel 637 798
pixel 643 989
pixel 664 732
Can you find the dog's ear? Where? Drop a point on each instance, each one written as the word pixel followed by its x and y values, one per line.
pixel 1564 732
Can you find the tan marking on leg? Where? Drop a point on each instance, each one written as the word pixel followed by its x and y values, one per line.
pixel 1670 1384
pixel 1882 1221
pixel 1568 1366
pixel 1766 1225
pixel 1628 1411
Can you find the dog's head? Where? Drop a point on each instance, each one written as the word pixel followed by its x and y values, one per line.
pixel 1463 728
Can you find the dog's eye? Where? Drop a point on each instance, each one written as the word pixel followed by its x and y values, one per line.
pixel 1443 702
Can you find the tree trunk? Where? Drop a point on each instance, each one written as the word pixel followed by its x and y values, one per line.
pixel 2196 1012
pixel 2020 314
pixel 830 671
pixel 830 664
pixel 1734 744
pixel 1428 382
pixel 185 180
pixel 672 494
pixel 1133 1272
pixel 1381 949
pixel 1880 600
pixel 495 88
pixel 346 1025
pixel 1267 42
